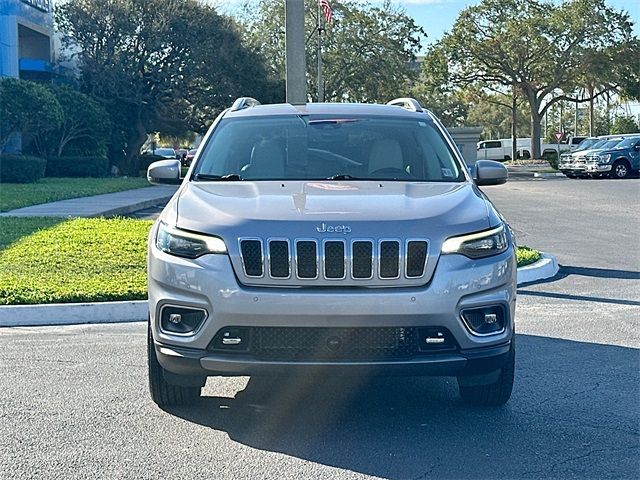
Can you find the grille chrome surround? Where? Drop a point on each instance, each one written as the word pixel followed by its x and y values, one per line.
pixel 272 242
pixel 327 268
pixel 327 261
pixel 241 242
pixel 393 243
pixel 298 263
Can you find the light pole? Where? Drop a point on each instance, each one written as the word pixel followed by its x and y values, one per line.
pixel 295 53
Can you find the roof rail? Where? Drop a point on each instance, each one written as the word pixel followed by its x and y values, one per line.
pixel 408 103
pixel 244 102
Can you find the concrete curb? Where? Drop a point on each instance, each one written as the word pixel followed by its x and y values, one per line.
pixel 530 174
pixel 142 205
pixel 72 313
pixel 137 311
pixel 546 267
pixel 547 175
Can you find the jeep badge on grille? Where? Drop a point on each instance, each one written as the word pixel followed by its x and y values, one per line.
pixel 324 228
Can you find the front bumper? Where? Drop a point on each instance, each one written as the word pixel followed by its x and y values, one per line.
pixel 583 168
pixel 209 283
pixel 196 363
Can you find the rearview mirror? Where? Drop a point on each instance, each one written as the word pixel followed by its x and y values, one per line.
pixel 164 172
pixel 488 172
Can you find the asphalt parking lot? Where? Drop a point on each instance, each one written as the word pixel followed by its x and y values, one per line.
pixel 74 401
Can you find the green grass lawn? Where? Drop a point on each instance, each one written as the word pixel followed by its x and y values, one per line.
pixel 44 260
pixel 17 195
pixel 53 260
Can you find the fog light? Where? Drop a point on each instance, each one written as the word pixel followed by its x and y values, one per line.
pixel 181 320
pixel 435 339
pixel 485 320
pixel 231 338
pixel 490 318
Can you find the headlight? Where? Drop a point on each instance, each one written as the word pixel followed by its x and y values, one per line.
pixel 478 245
pixel 187 244
pixel 604 158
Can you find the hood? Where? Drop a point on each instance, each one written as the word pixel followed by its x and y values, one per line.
pixel 299 209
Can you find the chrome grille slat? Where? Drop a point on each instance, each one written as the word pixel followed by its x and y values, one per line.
pixel 306 259
pixel 362 259
pixel 283 260
pixel 334 253
pixel 252 257
pixel 279 258
pixel 416 258
pixel 389 259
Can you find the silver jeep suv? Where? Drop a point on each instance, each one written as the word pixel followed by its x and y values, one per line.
pixel 328 239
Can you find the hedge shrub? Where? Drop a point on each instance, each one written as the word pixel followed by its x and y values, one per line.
pixel 21 168
pixel 147 159
pixel 77 167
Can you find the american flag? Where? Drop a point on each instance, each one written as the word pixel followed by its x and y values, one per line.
pixel 327 13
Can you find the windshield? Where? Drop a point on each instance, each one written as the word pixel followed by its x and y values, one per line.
pixel 302 147
pixel 587 143
pixel 628 142
pixel 610 143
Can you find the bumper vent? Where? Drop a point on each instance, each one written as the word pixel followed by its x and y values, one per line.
pixel 290 344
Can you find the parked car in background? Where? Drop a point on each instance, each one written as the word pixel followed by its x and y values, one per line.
pixel 188 158
pixel 574 142
pixel 619 161
pixel 500 149
pixel 163 152
pixel 181 153
pixel 575 164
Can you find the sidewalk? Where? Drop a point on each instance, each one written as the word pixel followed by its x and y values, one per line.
pixel 105 205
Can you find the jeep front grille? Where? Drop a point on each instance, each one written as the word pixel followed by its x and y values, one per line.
pixel 280 259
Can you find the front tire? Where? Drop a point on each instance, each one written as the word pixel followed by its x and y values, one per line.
pixel 493 394
pixel 620 169
pixel 163 393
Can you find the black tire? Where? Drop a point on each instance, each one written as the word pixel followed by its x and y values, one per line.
pixel 493 394
pixel 620 169
pixel 570 175
pixel 162 393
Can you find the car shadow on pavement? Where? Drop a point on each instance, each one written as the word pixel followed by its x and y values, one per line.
pixel 567 271
pixel 571 400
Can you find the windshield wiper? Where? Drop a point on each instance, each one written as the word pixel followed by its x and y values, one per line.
pixel 342 176
pixel 206 176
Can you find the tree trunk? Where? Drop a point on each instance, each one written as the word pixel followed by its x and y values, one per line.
pixel 514 120
pixel 536 117
pixel 134 144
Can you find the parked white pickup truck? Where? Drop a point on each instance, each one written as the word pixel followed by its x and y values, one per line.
pixel 500 149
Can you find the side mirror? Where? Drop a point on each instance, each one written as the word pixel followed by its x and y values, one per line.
pixel 164 172
pixel 488 172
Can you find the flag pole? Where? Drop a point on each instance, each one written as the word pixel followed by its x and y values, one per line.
pixel 320 80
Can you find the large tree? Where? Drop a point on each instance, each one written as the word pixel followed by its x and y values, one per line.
pixel 84 130
pixel 26 107
pixel 158 65
pixel 543 49
pixel 368 49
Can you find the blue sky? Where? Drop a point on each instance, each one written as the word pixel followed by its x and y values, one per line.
pixel 438 16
